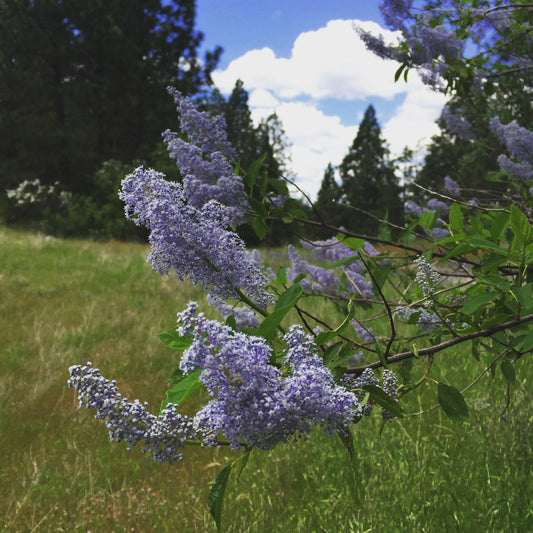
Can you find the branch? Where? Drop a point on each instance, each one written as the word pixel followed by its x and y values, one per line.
pixel 396 358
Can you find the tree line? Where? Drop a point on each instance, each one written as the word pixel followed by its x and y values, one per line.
pixel 83 101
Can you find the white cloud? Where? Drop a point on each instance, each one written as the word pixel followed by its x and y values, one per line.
pixel 414 124
pixel 330 63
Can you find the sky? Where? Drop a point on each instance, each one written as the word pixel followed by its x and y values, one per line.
pixel 304 60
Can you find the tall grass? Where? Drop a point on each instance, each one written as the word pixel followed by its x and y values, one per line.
pixel 65 302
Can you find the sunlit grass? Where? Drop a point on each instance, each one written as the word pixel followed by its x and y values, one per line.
pixel 66 302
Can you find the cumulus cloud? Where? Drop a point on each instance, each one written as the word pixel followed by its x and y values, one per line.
pixel 330 63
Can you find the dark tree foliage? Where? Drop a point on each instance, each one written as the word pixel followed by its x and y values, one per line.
pixel 370 188
pixel 327 201
pixel 83 82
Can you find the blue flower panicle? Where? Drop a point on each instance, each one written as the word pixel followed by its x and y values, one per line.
pixel 162 436
pixel 195 242
pixel 205 160
pixel 256 404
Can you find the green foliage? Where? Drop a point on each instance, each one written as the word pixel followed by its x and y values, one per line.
pixel 85 82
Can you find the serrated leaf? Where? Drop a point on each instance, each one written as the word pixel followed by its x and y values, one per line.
pixel 383 399
pixel 452 402
pixel 172 339
pixel 508 371
pixel 216 494
pixel 182 389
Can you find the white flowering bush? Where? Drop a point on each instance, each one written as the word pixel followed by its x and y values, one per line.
pixel 460 274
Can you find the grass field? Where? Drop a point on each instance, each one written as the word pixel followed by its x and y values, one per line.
pixel 66 302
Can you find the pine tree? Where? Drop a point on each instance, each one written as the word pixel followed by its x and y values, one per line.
pixel 370 188
pixel 83 82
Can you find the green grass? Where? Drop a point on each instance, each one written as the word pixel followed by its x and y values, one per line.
pixel 65 302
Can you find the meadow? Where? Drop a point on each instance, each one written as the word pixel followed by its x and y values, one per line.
pixel 65 302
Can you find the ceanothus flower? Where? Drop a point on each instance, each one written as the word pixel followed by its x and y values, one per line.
pixel 253 403
pixel 205 160
pixel 192 241
pixel 163 436
pixel 426 278
pixel 332 250
pixel 364 333
pixel 452 187
pixel 519 142
pixel 244 316
pixel 318 278
pixel 390 386
pixel 457 124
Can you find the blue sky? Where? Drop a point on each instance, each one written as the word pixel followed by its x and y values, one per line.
pixel 304 60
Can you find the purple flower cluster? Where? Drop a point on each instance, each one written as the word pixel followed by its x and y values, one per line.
pixel 430 46
pixel 390 386
pixel 193 241
pixel 332 250
pixel 519 142
pixel 364 333
pixel 205 160
pixel 413 209
pixel 457 124
pixel 244 316
pixel 253 404
pixel 426 278
pixel 317 279
pixel 452 187
pixel 163 436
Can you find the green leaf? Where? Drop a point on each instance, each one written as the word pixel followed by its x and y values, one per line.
pixel 381 274
pixel 172 339
pixel 527 345
pixel 520 225
pixel 508 371
pixel 495 280
pixel 182 389
pixel 499 225
pixel 383 399
pixel 326 336
pixel 260 227
pixel 279 185
pixel 253 171
pixel 399 71
pixel 474 303
pixel 341 262
pixel 352 242
pixel 452 402
pixel 478 242
pixel 285 303
pixel 456 218
pixel 216 495
pixel 244 461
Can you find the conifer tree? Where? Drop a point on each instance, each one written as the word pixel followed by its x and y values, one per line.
pixel 370 188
